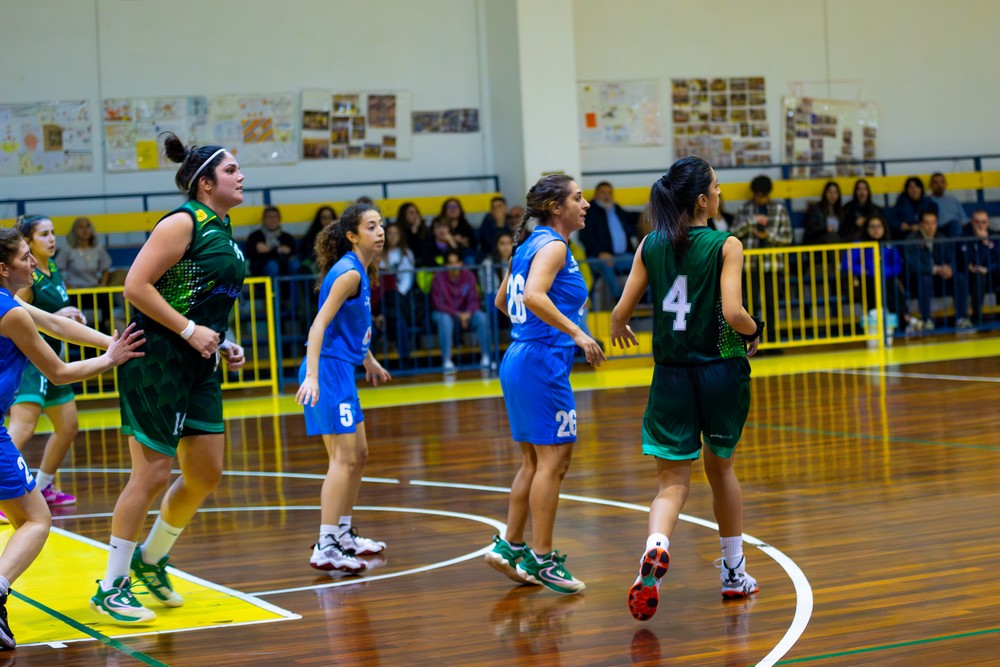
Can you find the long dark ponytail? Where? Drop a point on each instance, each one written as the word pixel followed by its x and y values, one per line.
pixel 673 199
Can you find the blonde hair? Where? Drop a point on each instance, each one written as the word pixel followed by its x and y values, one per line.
pixel 73 240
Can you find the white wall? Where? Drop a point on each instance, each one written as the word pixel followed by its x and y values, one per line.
pixel 49 50
pixel 925 64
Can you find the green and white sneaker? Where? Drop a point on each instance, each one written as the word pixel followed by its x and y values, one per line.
pixel 154 578
pixel 549 572
pixel 504 558
pixel 120 604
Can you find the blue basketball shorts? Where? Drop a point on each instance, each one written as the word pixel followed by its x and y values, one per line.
pixel 540 403
pixel 15 478
pixel 338 409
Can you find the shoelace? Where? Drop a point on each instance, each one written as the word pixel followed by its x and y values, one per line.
pixel 720 564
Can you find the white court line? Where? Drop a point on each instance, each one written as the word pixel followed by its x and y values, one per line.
pixel 918 376
pixel 803 591
pixel 284 614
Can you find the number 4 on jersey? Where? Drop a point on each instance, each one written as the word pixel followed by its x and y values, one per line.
pixel 676 302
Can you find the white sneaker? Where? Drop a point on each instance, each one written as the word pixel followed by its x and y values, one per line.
pixel 331 556
pixel 963 324
pixel 928 325
pixel 448 366
pixel 484 361
pixel 736 583
pixel 351 542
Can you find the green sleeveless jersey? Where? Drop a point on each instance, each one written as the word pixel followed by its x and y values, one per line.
pixel 48 293
pixel 209 277
pixel 688 326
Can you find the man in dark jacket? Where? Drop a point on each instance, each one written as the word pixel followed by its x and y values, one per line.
pixel 609 237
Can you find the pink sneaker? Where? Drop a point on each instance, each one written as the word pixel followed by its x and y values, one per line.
pixel 56 498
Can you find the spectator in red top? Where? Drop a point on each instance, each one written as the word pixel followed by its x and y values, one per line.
pixel 455 298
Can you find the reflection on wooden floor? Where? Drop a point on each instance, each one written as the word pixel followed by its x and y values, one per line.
pixel 880 488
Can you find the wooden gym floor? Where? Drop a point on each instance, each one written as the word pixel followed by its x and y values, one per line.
pixel 872 491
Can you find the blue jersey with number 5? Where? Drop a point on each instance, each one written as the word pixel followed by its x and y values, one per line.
pixel 568 292
pixel 349 335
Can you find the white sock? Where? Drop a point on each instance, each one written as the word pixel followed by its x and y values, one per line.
pixel 159 541
pixel 326 533
pixel 732 552
pixel 118 561
pixel 657 540
pixel 43 479
pixel 345 525
pixel 4 586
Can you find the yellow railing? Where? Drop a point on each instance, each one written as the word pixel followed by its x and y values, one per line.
pixel 106 309
pixel 803 294
pixel 806 297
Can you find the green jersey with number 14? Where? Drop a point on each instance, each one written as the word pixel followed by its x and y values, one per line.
pixel 688 326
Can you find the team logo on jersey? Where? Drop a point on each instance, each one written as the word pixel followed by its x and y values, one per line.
pixel 200 215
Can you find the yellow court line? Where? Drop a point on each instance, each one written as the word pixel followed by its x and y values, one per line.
pixel 63 576
pixel 613 374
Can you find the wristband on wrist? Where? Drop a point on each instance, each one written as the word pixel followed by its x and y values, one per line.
pixel 188 330
pixel 759 332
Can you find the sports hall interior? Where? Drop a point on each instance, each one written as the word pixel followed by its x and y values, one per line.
pixel 869 463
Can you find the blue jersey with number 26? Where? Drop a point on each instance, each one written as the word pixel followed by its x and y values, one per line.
pixel 568 292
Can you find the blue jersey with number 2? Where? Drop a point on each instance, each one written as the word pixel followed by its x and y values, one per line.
pixel 568 292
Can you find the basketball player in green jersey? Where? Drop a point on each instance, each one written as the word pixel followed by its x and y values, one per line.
pixel 701 382
pixel 183 284
pixel 36 394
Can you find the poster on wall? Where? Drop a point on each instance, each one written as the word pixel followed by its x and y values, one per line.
pixel 355 125
pixel 45 138
pixel 841 132
pixel 619 113
pixel 455 121
pixel 258 129
pixel 723 120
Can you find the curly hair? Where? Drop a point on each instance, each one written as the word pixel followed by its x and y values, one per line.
pixel 332 243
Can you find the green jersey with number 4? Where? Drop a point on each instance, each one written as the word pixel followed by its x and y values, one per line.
pixel 688 326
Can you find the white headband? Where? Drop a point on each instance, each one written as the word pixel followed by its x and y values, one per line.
pixel 210 158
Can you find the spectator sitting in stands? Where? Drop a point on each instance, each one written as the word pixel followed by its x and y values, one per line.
pixel 824 218
pixel 455 298
pixel 493 267
pixel 905 216
pixel 763 222
pixel 494 223
pixel 325 215
pixel 85 262
pixel 722 221
pixel 858 210
pixel 414 227
pixel 514 215
pixel 609 236
pixel 932 258
pixel 270 251
pixel 951 215
pixel 461 230
pixel 438 244
pixel 856 264
pixel 980 256
pixel 396 270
